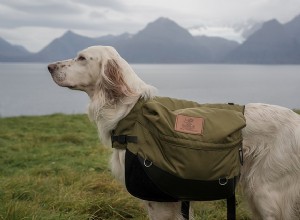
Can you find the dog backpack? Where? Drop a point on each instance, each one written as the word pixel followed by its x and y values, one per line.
pixel 178 150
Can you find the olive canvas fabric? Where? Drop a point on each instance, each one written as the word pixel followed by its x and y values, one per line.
pixel 189 140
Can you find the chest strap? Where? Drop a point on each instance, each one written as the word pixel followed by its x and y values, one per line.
pixel 124 139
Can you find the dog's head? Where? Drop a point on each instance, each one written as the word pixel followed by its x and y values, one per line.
pixel 108 79
pixel 105 76
pixel 99 71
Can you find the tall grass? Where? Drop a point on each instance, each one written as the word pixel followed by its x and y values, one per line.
pixel 53 167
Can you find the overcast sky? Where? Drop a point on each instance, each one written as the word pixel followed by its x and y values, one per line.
pixel 34 23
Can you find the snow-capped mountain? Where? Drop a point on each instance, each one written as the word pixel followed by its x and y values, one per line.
pixel 238 32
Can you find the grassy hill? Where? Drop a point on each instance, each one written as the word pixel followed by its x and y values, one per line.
pixel 54 167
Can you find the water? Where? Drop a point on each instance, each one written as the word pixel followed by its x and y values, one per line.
pixel 28 89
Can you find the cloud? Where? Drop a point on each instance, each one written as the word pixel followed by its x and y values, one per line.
pixel 95 18
pixel 112 4
pixel 50 7
pixel 68 14
pixel 32 38
pixel 24 13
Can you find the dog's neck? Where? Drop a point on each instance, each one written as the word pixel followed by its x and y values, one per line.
pixel 107 117
pixel 107 114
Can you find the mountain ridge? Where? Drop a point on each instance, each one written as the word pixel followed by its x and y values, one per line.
pixel 10 52
pixel 164 41
pixel 273 43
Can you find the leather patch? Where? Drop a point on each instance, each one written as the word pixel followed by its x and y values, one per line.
pixel 188 124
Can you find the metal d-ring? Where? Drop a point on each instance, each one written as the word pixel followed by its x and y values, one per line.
pixel 147 163
pixel 223 181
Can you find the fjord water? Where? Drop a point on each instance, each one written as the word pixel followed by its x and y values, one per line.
pixel 28 89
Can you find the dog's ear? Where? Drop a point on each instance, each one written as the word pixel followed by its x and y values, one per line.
pixel 113 82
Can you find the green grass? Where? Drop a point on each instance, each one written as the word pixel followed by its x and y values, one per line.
pixel 297 111
pixel 54 167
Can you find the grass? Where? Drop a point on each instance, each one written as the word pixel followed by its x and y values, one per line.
pixel 54 167
pixel 297 111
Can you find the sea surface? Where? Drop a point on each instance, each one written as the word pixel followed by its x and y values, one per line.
pixel 28 89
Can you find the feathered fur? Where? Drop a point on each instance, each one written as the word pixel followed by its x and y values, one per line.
pixel 271 171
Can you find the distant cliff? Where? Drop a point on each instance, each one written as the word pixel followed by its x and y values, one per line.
pixel 274 43
pixel 164 41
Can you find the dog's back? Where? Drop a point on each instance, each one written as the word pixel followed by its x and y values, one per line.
pixel 271 172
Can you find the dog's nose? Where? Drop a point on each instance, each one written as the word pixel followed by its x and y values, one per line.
pixel 52 67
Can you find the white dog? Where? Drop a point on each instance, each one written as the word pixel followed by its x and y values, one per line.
pixel 271 170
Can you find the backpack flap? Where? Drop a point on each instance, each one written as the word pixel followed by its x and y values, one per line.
pixel 204 151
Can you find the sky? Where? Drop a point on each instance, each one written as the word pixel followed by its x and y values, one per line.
pixel 35 23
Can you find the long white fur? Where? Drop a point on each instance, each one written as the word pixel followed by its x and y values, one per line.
pixel 271 172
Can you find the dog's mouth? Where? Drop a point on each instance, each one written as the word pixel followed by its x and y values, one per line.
pixel 62 83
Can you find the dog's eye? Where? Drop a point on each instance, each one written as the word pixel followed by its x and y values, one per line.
pixel 81 58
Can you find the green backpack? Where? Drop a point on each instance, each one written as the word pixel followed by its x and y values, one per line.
pixel 181 150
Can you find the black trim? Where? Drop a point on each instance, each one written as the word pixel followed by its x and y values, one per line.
pixel 192 190
pixel 153 184
pixel 139 184
pixel 231 208
pixel 124 139
pixel 185 209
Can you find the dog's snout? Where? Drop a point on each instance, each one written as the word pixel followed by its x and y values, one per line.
pixel 52 67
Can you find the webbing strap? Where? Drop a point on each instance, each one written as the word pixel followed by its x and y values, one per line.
pixel 124 139
pixel 231 212
pixel 185 209
pixel 231 209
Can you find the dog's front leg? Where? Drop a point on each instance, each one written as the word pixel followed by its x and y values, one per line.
pixel 165 210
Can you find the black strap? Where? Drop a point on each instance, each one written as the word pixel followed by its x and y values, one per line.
pixel 231 213
pixel 124 139
pixel 185 209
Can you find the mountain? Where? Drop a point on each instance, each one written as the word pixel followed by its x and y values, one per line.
pixel 239 31
pixel 9 52
pixel 250 29
pixel 293 28
pixel 64 47
pixel 271 44
pixel 218 47
pixel 114 40
pixel 163 41
pixel 70 43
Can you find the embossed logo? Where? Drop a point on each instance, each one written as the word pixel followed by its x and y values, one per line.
pixel 188 124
